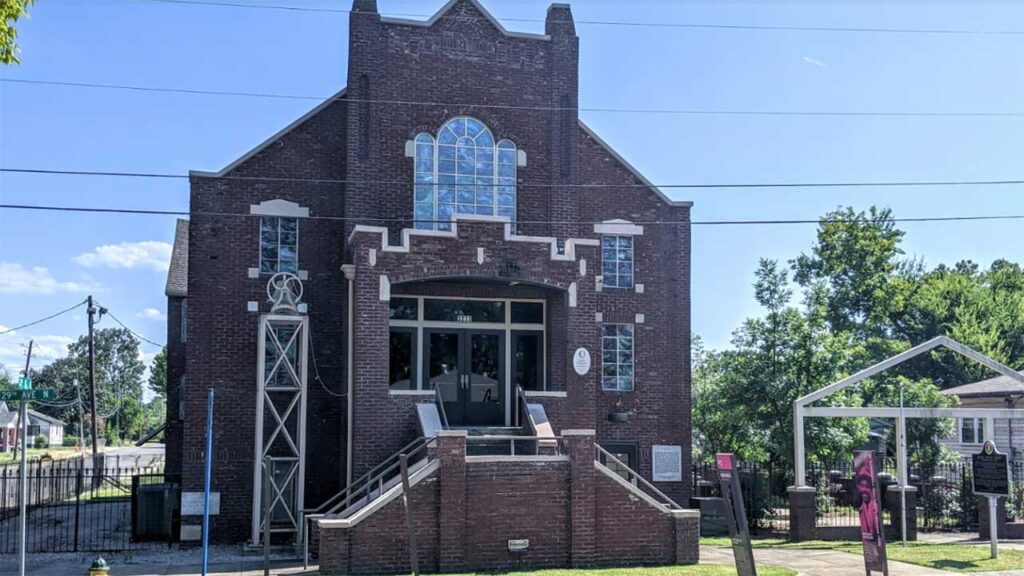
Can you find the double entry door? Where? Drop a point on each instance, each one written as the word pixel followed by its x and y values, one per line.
pixel 468 368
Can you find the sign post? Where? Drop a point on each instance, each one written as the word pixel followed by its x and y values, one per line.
pixel 735 515
pixel 872 532
pixel 990 472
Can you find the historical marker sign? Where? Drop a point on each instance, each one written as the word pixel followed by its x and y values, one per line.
pixel 735 515
pixel 991 472
pixel 21 395
pixel 581 361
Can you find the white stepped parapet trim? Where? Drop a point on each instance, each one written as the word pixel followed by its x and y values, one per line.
pixel 641 494
pixel 408 233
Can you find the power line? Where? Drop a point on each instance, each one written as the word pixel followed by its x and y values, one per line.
pixel 133 332
pixel 590 109
pixel 521 185
pixel 41 320
pixel 690 25
pixel 961 218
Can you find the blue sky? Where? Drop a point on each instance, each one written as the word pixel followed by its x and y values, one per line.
pixel 48 261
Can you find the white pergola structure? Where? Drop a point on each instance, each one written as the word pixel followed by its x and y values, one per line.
pixel 802 408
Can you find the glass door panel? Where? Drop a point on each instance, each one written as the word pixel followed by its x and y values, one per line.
pixel 485 393
pixel 444 349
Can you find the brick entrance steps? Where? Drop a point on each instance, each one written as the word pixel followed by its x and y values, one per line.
pixel 500 512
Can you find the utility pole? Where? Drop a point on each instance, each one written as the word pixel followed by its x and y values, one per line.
pixel 92 375
pixel 23 421
pixel 81 417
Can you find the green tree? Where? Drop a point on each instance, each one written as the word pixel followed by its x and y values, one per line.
pixel 10 12
pixel 158 374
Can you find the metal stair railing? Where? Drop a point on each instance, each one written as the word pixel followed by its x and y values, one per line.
pixel 638 480
pixel 440 408
pixel 369 486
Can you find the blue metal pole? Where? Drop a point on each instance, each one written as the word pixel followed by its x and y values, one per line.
pixel 206 489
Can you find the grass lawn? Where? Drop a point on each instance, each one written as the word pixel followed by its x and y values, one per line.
pixel 37 453
pixel 952 557
pixel 699 570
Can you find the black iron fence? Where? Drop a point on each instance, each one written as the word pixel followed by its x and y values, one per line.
pixel 73 507
pixel 945 497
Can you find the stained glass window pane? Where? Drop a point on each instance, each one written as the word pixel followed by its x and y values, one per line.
pixel 617 357
pixel 617 261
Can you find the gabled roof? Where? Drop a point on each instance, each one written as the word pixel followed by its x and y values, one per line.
pixel 8 418
pixel 177 273
pixel 32 414
pixel 999 386
pixel 483 11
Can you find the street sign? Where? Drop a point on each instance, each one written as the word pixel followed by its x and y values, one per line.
pixel 25 383
pixel 21 395
pixel 991 472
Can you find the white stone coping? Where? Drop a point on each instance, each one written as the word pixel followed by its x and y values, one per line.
pixel 636 491
pixel 408 233
pixel 412 393
pixel 546 393
pixel 452 433
pixel 801 489
pixel 381 501
pixel 521 459
pixel 580 432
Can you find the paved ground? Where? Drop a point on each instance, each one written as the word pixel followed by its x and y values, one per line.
pixel 817 562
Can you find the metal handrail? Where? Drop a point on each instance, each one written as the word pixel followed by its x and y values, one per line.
pixel 522 408
pixel 408 448
pixel 667 501
pixel 440 407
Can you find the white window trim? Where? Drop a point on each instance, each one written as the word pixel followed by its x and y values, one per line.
pixel 632 377
pixel 277 265
pixel 632 263
pixel 507 326
pixel 979 431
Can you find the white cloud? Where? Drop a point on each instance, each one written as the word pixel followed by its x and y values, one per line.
pixel 146 254
pixel 17 279
pixel 45 348
pixel 151 314
pixel 817 63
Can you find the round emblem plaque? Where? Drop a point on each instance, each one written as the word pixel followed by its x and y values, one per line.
pixel 581 361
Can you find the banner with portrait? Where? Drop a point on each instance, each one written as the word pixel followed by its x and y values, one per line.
pixel 872 529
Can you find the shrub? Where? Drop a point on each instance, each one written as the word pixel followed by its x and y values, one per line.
pixel 70 441
pixel 41 441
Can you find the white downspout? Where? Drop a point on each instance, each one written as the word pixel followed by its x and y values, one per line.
pixel 350 275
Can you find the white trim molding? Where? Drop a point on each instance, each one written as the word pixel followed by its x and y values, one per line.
pixel 618 227
pixel 280 208
pixel 569 254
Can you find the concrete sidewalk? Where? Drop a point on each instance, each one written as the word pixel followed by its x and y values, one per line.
pixel 817 562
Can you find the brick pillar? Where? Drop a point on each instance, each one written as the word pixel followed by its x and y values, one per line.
pixel 687 536
pixel 333 536
pixel 895 511
pixel 451 451
pixel 579 445
pixel 801 513
pixel 983 531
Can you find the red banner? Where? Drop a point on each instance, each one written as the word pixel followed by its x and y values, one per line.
pixel 872 531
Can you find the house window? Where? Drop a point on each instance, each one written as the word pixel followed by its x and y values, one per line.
pixel 972 431
pixel 463 171
pixel 279 245
pixel 617 261
pixel 617 357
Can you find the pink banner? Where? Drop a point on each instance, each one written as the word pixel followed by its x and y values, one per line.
pixel 871 530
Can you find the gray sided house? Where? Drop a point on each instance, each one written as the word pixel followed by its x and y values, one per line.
pixel 476 265
pixel 999 392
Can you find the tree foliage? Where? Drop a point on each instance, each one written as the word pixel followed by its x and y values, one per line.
pixel 860 301
pixel 158 374
pixel 119 379
pixel 10 12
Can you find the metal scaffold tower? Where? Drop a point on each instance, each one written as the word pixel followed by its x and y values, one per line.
pixel 280 411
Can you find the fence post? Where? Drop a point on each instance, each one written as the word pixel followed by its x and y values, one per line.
pixel 78 504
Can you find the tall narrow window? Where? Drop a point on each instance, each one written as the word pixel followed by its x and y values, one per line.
pixel 617 261
pixel 463 172
pixel 617 357
pixel 972 431
pixel 279 245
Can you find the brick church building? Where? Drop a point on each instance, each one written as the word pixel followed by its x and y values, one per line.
pixel 441 260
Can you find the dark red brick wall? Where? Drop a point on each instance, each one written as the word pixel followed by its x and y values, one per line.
pixel 462 62
pixel 628 527
pixel 175 369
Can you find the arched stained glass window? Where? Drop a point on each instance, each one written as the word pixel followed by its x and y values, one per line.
pixel 463 172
